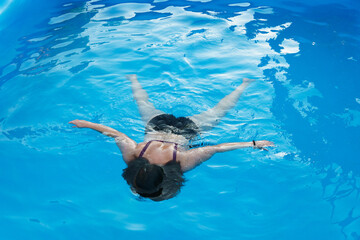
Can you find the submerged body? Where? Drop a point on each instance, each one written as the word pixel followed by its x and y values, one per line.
pixel 155 166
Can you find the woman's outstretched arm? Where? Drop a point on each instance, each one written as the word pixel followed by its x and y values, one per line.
pixel 126 144
pixel 98 127
pixel 195 157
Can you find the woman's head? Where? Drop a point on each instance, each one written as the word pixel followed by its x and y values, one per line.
pixel 152 181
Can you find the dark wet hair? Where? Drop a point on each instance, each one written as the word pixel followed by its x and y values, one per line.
pixel 152 181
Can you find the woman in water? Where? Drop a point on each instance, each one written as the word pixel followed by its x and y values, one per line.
pixel 155 167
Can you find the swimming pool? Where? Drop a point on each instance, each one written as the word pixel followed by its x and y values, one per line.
pixel 65 60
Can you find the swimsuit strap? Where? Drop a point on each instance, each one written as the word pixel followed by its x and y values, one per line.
pixel 174 152
pixel 148 143
pixel 144 149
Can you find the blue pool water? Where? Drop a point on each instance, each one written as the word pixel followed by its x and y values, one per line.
pixel 64 60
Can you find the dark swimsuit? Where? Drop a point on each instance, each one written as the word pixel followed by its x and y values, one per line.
pixel 148 144
pixel 168 123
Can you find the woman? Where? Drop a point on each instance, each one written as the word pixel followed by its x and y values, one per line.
pixel 155 167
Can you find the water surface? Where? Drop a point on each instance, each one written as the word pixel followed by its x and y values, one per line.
pixel 67 60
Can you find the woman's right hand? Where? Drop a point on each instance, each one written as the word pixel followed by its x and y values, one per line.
pixel 80 123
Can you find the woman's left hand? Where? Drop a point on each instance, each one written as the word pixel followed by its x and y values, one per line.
pixel 262 144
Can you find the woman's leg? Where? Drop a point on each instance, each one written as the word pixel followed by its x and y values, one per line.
pixel 208 119
pixel 146 108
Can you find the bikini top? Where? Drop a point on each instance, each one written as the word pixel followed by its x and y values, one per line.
pixel 148 144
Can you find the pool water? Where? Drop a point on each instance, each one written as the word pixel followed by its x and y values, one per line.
pixel 64 60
